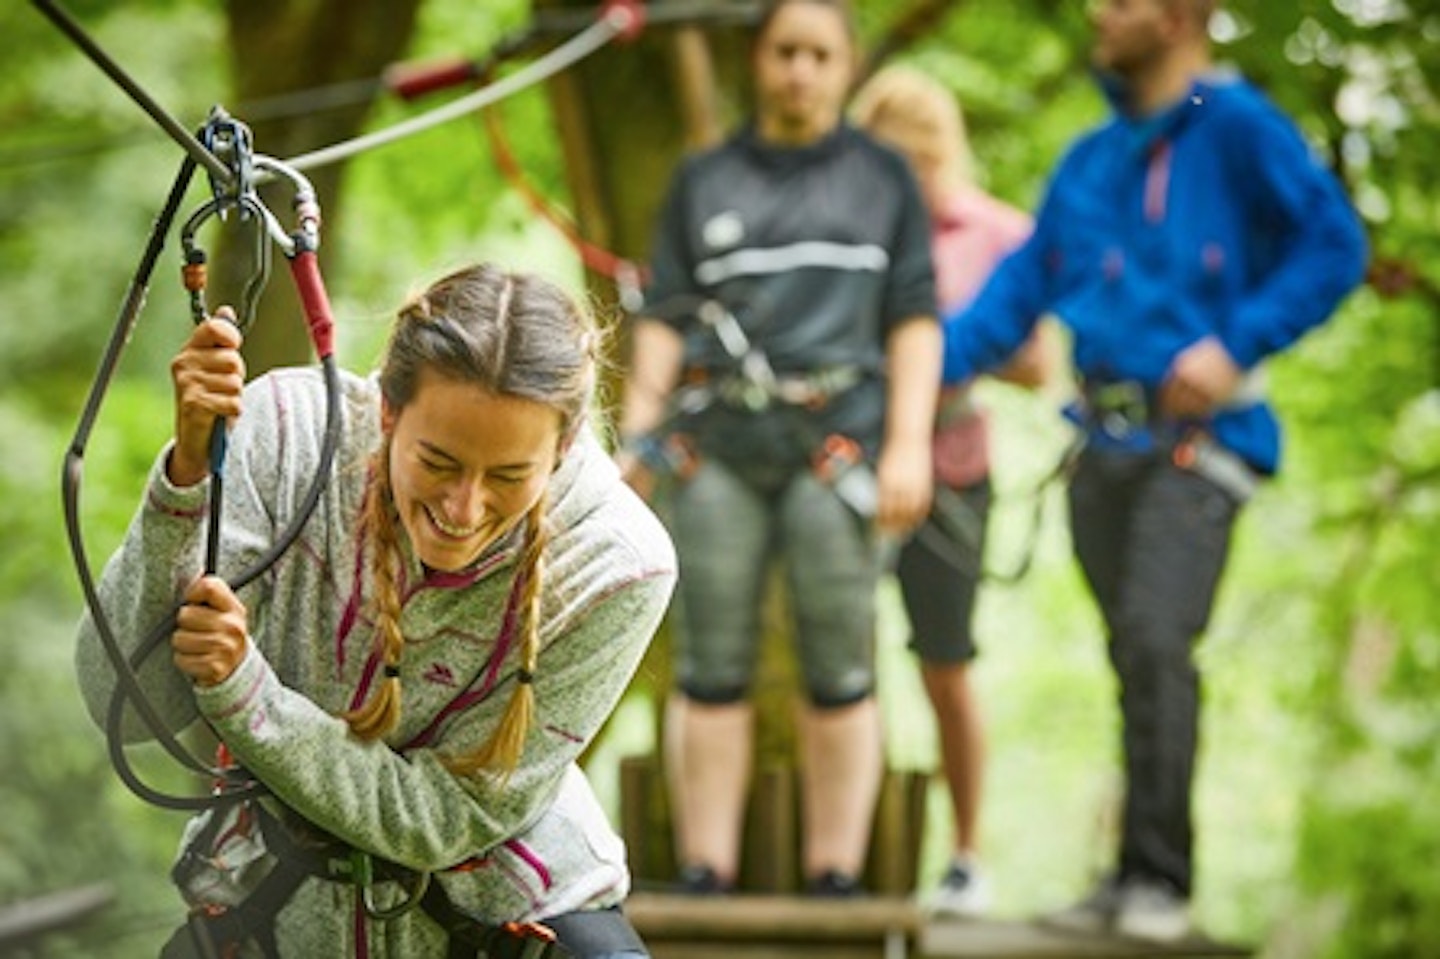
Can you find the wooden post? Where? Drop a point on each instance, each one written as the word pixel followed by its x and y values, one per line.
pixel 645 820
pixel 771 858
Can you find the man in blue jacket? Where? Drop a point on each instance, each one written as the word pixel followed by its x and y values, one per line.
pixel 1183 242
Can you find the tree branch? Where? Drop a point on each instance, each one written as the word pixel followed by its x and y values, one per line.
pixel 922 18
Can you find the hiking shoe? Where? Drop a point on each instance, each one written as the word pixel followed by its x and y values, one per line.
pixel 698 880
pixel 1151 910
pixel 833 884
pixel 964 892
pixel 1094 914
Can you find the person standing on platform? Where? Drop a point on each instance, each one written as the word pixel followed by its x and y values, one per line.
pixel 940 567
pixel 791 278
pixel 1183 241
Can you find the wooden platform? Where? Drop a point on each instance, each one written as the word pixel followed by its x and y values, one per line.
pixel 1030 940
pixel 773 927
pixel 770 862
pixel 881 927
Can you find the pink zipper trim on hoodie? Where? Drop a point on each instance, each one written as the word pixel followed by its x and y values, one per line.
pixel 1157 181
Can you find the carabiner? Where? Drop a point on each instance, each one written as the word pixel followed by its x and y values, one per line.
pixel 230 141
pixel 194 271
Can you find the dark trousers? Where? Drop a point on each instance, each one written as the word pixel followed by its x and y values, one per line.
pixel 1152 540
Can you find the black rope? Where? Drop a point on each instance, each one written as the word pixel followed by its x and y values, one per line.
pixel 111 69
pixel 70 479
pixel 128 687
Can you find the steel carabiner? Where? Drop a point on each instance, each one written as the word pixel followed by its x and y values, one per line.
pixel 194 272
pixel 230 142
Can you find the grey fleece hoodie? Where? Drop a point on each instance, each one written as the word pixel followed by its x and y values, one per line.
pixel 537 845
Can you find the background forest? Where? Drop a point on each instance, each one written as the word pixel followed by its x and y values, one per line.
pixel 1319 787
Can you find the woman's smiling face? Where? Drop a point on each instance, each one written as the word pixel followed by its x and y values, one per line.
pixel 466 465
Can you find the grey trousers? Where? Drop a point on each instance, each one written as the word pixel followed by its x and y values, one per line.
pixel 1152 540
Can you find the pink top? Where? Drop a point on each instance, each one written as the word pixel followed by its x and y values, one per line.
pixel 971 234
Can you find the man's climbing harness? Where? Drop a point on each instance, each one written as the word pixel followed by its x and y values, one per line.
pixel 1123 409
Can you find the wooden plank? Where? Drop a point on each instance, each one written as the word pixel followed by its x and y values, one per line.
pixel 898 834
pixel 771 859
pixel 31 918
pixel 1031 940
pixel 872 927
pixel 776 919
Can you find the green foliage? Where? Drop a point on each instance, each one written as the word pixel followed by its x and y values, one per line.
pixel 82 175
pixel 68 821
pixel 1374 842
pixel 1322 738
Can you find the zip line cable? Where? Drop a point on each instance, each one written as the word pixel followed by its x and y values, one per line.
pixel 349 93
pixel 67 25
pixel 617 19
pixel 232 184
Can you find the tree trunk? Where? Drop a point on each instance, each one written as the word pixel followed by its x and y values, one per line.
pixel 279 47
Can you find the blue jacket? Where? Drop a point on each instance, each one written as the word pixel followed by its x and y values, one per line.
pixel 1212 218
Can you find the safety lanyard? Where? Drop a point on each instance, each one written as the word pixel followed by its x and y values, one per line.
pixel 234 170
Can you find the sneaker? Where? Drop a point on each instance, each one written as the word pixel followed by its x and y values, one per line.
pixel 698 880
pixel 1094 914
pixel 833 884
pixel 1151 910
pixel 963 892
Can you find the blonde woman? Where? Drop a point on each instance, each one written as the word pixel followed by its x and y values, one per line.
pixel 939 568
pixel 414 679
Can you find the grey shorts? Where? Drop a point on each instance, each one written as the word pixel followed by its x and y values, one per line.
pixel 727 528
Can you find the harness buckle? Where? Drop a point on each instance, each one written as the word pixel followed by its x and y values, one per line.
pixel 1120 408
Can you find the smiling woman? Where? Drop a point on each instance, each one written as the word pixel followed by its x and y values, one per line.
pixel 475 551
pixel 466 465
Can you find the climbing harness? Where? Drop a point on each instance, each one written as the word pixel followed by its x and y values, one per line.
pixel 225 154
pixel 1122 409
pixel 752 384
pixel 300 247
pixel 266 856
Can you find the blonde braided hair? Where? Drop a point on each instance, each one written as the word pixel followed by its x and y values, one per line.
pixel 380 713
pixel 503 749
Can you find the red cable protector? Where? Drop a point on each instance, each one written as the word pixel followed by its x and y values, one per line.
pixel 627 16
pixel 305 267
pixel 410 81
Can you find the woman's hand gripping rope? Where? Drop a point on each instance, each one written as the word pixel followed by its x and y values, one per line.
pixel 210 637
pixel 208 375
